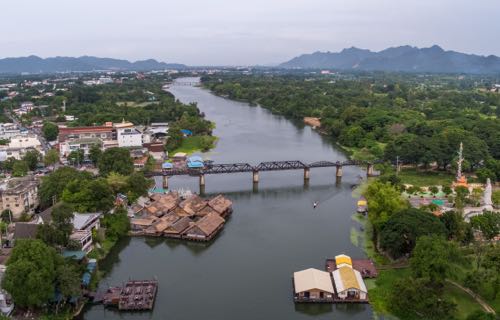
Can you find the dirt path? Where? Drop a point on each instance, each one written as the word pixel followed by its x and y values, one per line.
pixel 476 297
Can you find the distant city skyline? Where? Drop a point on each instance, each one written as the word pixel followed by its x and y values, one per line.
pixel 224 32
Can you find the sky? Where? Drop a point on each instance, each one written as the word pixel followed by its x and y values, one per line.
pixel 237 32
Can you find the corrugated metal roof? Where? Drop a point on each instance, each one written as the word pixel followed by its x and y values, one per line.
pixel 310 279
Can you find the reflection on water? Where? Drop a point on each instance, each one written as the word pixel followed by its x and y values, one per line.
pixel 245 273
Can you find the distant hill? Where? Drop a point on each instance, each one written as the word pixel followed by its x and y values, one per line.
pixel 404 58
pixel 34 64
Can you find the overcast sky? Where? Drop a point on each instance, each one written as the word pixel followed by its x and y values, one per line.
pixel 241 32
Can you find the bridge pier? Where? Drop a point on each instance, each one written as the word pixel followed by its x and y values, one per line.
pixel 255 176
pixel 338 171
pixel 255 187
pixel 369 170
pixel 165 182
pixel 307 173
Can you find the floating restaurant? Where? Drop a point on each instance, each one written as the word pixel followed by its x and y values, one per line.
pixel 340 283
pixel 190 218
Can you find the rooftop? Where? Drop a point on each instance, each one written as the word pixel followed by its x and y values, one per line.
pixel 310 279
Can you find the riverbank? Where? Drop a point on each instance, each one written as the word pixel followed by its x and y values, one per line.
pixel 354 153
pixel 194 144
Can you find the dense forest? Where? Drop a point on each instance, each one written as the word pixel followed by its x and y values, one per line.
pixel 419 118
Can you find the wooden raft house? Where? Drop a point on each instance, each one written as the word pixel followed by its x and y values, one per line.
pixel 191 218
pixel 340 283
pixel 135 295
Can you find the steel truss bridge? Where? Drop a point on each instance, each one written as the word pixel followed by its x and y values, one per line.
pixel 224 168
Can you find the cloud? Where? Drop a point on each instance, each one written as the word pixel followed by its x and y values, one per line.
pixel 241 32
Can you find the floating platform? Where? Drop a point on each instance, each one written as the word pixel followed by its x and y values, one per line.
pixel 365 266
pixel 135 295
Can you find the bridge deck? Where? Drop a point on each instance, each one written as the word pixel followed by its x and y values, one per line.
pixel 221 168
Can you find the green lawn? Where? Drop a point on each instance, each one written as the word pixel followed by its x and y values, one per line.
pixel 465 303
pixel 196 143
pixel 425 178
pixel 379 290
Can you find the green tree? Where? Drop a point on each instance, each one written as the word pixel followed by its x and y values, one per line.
pixel 58 231
pixel 434 190
pixel 76 157
pixel 138 185
pixel 51 158
pixel 89 195
pixel 95 153
pixel 456 227
pixel 52 185
pixel 117 224
pixel 431 258
pixel 399 234
pixel 416 298
pixel 384 200
pixel 68 280
pixel 117 182
pixel 20 168
pixel 50 131
pixel 32 158
pixel 31 273
pixel 488 223
pixel 116 160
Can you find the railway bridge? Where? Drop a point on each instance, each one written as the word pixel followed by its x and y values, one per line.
pixel 227 168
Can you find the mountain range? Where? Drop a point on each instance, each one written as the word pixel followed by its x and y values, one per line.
pixel 34 64
pixel 404 58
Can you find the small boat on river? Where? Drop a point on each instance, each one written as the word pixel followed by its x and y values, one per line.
pixel 362 205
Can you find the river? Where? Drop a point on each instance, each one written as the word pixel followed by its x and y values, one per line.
pixel 246 272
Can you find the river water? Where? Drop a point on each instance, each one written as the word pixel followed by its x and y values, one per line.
pixel 246 272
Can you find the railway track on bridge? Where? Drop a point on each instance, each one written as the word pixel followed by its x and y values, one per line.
pixel 224 168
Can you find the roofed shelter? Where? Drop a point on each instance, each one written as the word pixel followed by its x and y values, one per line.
pixel 313 285
pixel 205 228
pixel 349 284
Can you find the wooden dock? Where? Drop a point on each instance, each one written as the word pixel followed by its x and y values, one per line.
pixel 365 266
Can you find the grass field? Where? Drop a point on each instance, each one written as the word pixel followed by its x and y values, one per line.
pixel 196 143
pixel 425 178
pixel 379 291
pixel 465 304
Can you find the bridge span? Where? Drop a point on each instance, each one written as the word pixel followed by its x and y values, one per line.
pixel 227 168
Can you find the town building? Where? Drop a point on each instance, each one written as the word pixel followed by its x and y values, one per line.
pixel 84 238
pixel 24 143
pixel 86 221
pixel 101 132
pixel 19 195
pixel 313 285
pixel 84 144
pixel 129 138
pixel 9 130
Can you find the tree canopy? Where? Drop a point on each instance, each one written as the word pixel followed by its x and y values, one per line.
pixel 399 234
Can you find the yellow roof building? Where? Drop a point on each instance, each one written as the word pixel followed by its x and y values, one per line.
pixel 343 259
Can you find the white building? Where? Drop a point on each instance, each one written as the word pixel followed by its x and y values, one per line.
pixel 29 141
pixel 84 144
pixel 9 130
pixel 129 137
